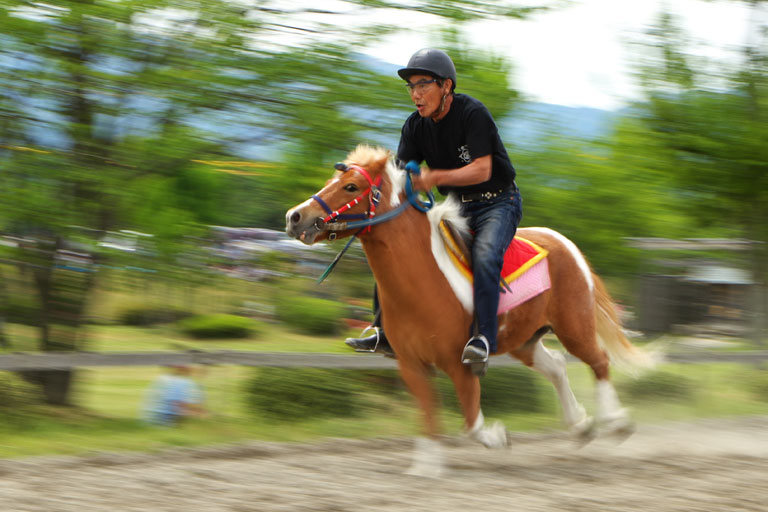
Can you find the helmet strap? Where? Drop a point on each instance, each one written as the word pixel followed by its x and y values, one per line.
pixel 442 104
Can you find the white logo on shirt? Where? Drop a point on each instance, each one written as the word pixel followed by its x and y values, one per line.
pixel 464 154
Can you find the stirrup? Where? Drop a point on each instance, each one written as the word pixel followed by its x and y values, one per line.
pixel 472 356
pixel 377 330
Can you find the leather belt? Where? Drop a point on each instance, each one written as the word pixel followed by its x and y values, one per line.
pixel 486 196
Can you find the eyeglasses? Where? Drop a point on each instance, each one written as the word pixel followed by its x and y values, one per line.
pixel 420 86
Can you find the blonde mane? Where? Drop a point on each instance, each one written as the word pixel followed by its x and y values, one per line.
pixel 365 155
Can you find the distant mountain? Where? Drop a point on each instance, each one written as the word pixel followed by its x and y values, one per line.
pixel 379 66
pixel 533 123
pixel 529 125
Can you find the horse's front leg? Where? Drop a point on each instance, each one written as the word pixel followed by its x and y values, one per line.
pixel 427 457
pixel 467 386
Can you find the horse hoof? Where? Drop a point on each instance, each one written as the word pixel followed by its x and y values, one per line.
pixel 427 459
pixel 494 436
pixel 425 471
pixel 619 428
pixel 498 435
pixel 623 432
pixel 585 431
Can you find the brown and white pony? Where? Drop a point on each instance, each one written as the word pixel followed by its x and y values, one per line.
pixel 427 310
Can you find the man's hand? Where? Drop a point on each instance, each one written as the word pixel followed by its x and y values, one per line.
pixel 478 171
pixel 425 181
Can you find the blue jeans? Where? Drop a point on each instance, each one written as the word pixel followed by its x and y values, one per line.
pixel 494 223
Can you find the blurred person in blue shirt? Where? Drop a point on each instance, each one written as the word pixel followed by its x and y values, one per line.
pixel 172 397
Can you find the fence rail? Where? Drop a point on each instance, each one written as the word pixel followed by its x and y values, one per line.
pixel 69 360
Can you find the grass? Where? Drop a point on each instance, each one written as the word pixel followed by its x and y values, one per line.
pixel 107 418
pixel 119 338
pixel 109 400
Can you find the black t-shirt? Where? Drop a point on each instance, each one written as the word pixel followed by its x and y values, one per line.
pixel 467 132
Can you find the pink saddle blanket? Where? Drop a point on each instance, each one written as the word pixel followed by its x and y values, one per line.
pixel 525 269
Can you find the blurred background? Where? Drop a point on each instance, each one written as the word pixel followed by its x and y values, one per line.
pixel 149 150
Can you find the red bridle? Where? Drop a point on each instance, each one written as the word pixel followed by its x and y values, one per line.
pixel 373 192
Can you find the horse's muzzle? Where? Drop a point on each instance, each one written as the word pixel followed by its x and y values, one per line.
pixel 303 228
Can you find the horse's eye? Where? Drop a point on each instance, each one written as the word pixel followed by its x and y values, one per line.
pixel 351 187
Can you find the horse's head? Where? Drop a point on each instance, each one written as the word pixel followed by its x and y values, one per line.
pixel 352 194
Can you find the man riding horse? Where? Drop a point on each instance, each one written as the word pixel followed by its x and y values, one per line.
pixel 457 137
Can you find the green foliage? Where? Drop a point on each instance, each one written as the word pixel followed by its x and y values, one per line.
pixel 144 315
pixel 311 315
pixel 710 141
pixel 15 393
pixel 108 400
pixel 514 389
pixel 658 385
pixel 759 386
pixel 481 74
pixel 298 394
pixel 504 390
pixel 21 309
pixel 219 326
pixel 18 398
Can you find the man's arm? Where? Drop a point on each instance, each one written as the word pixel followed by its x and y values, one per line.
pixel 477 171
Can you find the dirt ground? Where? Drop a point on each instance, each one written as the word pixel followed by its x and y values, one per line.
pixel 710 465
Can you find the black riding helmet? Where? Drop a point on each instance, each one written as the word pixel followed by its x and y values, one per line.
pixel 430 61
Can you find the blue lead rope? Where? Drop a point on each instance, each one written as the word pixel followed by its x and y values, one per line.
pixel 412 167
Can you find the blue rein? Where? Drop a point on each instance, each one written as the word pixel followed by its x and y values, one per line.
pixel 411 167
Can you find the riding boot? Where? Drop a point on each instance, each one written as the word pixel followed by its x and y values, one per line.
pixel 376 342
pixel 476 354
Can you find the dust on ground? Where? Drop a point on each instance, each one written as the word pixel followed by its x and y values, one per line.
pixel 707 465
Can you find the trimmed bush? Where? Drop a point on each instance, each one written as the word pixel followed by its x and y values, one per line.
pixel 147 315
pixel 295 394
pixel 312 315
pixel 16 393
pixel 21 310
pixel 219 326
pixel 505 390
pixel 658 385
pixel 19 400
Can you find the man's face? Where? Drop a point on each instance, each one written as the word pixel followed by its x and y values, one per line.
pixel 426 94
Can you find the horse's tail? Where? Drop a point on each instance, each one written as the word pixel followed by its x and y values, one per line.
pixel 611 337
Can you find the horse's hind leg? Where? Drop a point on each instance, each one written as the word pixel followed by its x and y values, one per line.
pixel 467 387
pixel 610 415
pixel 613 418
pixel 552 365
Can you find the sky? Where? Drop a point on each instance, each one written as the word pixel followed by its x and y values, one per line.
pixel 578 56
pixel 581 55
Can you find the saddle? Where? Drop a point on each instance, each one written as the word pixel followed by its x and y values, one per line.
pixel 525 272
pixel 458 242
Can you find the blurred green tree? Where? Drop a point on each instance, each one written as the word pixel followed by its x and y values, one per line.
pixel 109 111
pixel 710 130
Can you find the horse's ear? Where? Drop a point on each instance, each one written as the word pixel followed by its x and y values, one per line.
pixel 381 163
